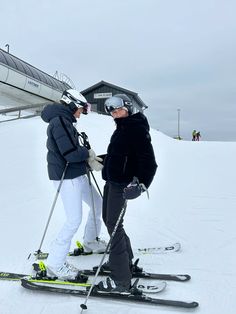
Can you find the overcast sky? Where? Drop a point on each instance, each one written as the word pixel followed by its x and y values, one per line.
pixel 176 54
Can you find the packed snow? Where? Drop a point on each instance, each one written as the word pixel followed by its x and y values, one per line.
pixel 192 201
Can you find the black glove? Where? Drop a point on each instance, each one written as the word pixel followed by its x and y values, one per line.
pixel 133 190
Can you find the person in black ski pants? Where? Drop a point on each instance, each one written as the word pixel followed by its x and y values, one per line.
pixel 129 168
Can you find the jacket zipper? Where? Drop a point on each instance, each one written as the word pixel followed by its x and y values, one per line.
pixel 126 159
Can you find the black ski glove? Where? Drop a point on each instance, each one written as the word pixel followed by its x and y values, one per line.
pixel 133 190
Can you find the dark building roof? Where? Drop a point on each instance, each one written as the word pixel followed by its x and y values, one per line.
pixel 29 70
pixel 134 95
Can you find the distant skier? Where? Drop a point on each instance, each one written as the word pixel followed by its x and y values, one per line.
pixel 194 135
pixel 129 168
pixel 198 135
pixel 64 147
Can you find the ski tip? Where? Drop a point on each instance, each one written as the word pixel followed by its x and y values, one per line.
pixel 164 284
pixel 177 246
pixel 194 304
pixel 183 277
pixel 155 288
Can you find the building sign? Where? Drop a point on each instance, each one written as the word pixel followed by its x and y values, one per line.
pixel 32 83
pixel 102 95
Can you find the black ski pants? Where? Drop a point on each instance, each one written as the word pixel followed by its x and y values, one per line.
pixel 121 254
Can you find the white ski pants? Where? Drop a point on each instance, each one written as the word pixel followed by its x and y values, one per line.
pixel 73 192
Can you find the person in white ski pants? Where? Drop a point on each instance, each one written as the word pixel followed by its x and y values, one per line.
pixel 69 164
pixel 73 192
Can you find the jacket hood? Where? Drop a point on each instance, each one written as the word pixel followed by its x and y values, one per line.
pixel 57 110
pixel 135 120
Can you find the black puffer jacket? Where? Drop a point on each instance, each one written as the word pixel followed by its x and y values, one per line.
pixel 130 152
pixel 63 144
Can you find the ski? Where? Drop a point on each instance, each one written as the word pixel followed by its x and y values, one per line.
pixel 91 272
pixel 139 273
pixel 146 288
pixel 48 281
pixel 11 276
pixel 131 297
pixel 17 277
pixel 161 249
pixel 79 250
pixel 142 274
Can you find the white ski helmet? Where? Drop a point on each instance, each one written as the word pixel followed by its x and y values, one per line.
pixel 75 100
pixel 118 101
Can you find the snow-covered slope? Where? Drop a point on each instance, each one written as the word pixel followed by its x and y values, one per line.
pixel 192 200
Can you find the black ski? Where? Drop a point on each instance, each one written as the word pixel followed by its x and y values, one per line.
pixel 146 288
pixel 135 274
pixel 143 274
pixel 131 298
pixel 90 272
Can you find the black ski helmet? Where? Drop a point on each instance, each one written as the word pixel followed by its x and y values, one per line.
pixel 118 101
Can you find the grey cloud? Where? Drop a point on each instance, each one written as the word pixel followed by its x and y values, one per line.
pixel 175 54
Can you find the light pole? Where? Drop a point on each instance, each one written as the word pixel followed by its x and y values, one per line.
pixel 7 47
pixel 178 110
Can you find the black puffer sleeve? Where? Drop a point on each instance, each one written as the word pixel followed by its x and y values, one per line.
pixel 146 165
pixel 65 136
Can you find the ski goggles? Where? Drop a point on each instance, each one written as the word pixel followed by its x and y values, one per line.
pixel 86 108
pixel 116 103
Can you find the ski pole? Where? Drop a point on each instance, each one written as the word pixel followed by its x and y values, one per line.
pixel 52 209
pixel 85 143
pixel 96 184
pixel 83 305
pixel 93 205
